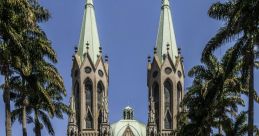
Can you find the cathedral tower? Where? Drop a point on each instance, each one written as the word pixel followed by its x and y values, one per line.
pixel 165 78
pixel 90 80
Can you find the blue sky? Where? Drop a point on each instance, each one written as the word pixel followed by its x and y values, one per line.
pixel 127 30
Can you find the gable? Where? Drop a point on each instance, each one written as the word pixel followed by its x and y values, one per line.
pixel 128 132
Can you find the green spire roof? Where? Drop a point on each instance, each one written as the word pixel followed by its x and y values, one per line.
pixel 89 33
pixel 166 35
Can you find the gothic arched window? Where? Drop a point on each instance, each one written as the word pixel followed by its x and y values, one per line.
pixel 179 95
pixel 167 104
pixel 89 121
pixel 168 121
pixel 77 103
pixel 89 94
pixel 89 102
pixel 167 95
pixel 155 95
pixel 100 94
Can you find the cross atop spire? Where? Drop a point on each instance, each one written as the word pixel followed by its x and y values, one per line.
pixel 166 2
pixel 89 2
pixel 166 35
pixel 89 37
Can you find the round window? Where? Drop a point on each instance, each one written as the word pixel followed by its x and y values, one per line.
pixel 88 70
pixel 100 72
pixel 168 70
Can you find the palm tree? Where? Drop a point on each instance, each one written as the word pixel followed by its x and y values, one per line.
pixel 241 19
pixel 37 73
pixel 238 127
pixel 15 18
pixel 21 83
pixel 4 67
pixel 214 95
pixel 50 82
pixel 44 103
pixel 55 90
pixel 19 91
pixel 41 114
pixel 22 114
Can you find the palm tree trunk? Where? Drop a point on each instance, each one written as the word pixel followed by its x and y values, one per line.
pixel 37 124
pixel 37 129
pixel 220 128
pixel 24 121
pixel 24 113
pixel 251 95
pixel 8 125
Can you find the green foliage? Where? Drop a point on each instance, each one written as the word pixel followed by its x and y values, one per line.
pixel 213 97
pixel 27 59
pixel 212 100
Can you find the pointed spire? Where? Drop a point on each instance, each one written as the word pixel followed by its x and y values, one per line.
pixel 89 33
pixel 166 35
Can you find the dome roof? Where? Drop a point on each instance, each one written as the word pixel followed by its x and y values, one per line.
pixel 128 126
pixel 121 127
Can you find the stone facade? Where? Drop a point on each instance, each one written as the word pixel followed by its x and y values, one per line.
pixel 89 101
pixel 165 83
pixel 90 82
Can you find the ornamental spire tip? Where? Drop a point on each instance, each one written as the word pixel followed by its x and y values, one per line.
pixel 89 2
pixel 166 2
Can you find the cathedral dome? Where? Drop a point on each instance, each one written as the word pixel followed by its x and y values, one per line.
pixel 128 126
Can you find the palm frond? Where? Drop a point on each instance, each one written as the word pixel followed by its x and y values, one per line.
pixel 224 35
pixel 221 11
pixel 256 64
pixel 17 114
pixel 47 123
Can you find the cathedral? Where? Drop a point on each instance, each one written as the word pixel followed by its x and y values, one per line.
pixel 90 83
